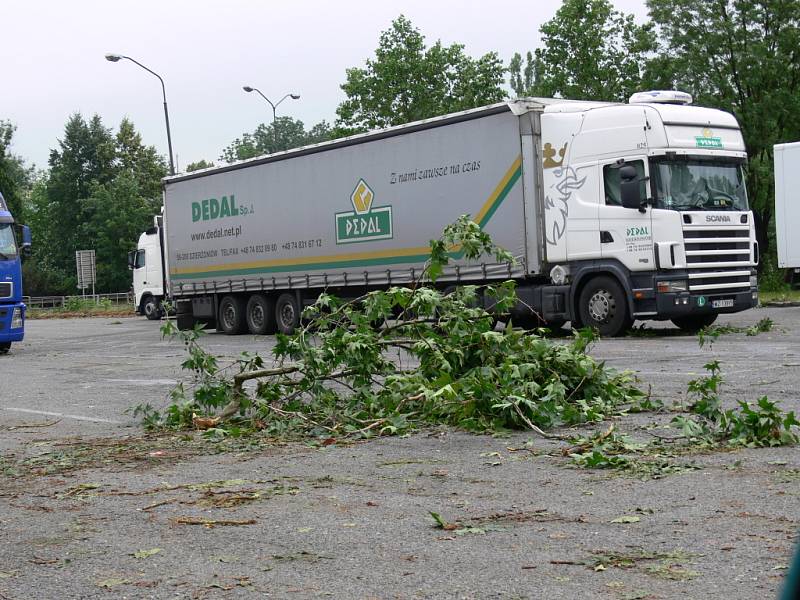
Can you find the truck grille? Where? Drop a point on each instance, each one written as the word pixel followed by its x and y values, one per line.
pixel 5 289
pixel 719 260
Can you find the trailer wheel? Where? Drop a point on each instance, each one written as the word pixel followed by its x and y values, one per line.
pixel 151 308
pixel 603 306
pixel 5 347
pixel 261 315
pixel 287 313
pixel 694 323
pixel 231 319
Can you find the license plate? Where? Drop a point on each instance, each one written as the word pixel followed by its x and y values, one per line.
pixel 722 303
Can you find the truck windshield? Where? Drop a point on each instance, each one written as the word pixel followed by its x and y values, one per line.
pixel 8 247
pixel 698 185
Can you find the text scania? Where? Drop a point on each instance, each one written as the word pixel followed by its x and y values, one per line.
pixel 212 208
pixel 718 219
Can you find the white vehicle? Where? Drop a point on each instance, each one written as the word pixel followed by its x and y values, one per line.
pixel 787 207
pixel 147 263
pixel 614 212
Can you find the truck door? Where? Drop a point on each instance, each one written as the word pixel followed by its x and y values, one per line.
pixel 625 233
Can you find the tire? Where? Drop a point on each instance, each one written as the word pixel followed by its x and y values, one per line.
pixel 693 323
pixel 5 347
pixel 151 308
pixel 260 315
pixel 287 313
pixel 231 316
pixel 603 306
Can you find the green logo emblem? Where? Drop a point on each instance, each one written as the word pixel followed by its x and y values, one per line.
pixel 365 223
pixel 707 140
pixel 701 301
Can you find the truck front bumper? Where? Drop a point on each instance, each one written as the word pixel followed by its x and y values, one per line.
pixel 680 304
pixel 12 322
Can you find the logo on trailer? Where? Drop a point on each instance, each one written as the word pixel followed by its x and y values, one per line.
pixel 365 223
pixel 707 140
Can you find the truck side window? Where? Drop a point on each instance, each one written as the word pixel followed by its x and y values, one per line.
pixel 139 259
pixel 611 182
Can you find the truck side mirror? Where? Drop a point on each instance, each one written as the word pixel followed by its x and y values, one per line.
pixel 25 246
pixel 630 188
pixel 131 260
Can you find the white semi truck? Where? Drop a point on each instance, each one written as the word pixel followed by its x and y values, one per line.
pixel 614 212
pixel 787 208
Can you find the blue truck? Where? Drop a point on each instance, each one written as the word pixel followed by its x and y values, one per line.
pixel 12 309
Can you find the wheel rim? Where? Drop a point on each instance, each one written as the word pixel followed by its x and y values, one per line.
pixel 229 316
pixel 287 315
pixel 602 306
pixel 149 308
pixel 257 316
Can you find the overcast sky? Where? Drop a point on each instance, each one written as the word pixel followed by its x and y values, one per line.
pixel 52 57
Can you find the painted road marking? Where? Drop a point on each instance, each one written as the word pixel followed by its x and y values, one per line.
pixel 62 415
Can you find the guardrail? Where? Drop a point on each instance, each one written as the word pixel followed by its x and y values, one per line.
pixel 62 301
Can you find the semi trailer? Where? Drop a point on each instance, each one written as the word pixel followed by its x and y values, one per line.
pixel 613 212
pixel 12 309
pixel 787 208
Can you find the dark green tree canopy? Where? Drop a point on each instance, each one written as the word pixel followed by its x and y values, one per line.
pixel 590 52
pixel 742 56
pixel 407 81
pixel 200 164
pixel 287 133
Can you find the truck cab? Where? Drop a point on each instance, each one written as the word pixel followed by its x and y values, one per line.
pixel 146 263
pixel 652 196
pixel 12 309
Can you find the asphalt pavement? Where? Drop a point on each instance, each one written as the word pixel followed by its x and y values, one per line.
pixel 92 508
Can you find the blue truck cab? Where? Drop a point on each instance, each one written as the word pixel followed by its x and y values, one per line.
pixel 12 309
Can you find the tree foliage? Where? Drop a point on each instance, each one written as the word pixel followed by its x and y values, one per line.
pixel 397 359
pixel 15 177
pixel 266 139
pixel 101 191
pixel 590 52
pixel 200 164
pixel 407 81
pixel 742 56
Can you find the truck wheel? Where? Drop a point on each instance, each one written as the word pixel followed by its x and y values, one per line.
pixel 151 308
pixel 261 315
pixel 603 306
pixel 5 347
pixel 231 319
pixel 287 313
pixel 693 323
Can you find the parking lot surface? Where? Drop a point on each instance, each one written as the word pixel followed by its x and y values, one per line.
pixel 90 507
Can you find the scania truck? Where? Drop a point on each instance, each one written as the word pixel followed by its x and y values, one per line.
pixel 613 211
pixel 12 309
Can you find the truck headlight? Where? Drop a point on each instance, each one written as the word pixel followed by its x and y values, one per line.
pixel 680 285
pixel 16 318
pixel 753 281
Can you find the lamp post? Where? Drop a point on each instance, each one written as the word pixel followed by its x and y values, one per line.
pixel 274 106
pixel 118 57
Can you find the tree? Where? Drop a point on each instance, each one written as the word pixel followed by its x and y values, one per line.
pixel 287 133
pixel 16 178
pixel 101 191
pixel 142 163
pixel 407 81
pixel 741 56
pixel 200 164
pixel 117 213
pixel 591 52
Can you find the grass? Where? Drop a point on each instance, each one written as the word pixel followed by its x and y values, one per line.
pixel 780 296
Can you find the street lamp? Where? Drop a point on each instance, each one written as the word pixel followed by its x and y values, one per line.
pixel 117 58
pixel 274 106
